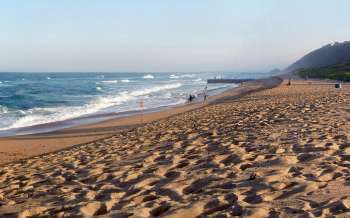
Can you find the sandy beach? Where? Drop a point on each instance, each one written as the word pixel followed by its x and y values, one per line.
pixel 254 152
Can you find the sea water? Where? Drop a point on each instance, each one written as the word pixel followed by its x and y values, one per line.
pixel 29 99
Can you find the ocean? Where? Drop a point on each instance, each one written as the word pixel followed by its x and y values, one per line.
pixel 30 99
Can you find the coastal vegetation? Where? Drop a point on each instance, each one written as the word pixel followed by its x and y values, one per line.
pixel 339 72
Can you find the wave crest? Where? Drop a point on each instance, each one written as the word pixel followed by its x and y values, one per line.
pixel 175 76
pixel 148 76
pixel 37 116
pixel 110 81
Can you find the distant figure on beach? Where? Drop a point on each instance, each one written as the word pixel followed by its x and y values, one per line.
pixel 190 98
pixel 338 85
pixel 289 82
pixel 205 93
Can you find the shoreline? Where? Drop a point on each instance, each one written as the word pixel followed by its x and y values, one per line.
pixel 15 148
pixel 98 117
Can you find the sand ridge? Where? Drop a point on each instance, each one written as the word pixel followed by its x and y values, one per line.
pixel 282 152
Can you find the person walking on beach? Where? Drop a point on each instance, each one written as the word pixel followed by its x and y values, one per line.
pixel 190 98
pixel 205 93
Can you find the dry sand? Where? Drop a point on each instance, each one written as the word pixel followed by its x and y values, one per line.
pixel 282 152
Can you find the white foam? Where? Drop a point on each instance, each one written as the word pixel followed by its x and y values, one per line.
pixel 156 89
pixel 48 78
pixel 37 116
pixel 125 80
pixel 3 109
pixel 110 81
pixel 197 80
pixel 148 76
pixel 174 76
pixel 98 88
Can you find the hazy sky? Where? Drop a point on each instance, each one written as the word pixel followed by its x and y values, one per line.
pixel 165 35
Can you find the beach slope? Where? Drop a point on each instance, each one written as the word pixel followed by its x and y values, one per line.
pixel 277 152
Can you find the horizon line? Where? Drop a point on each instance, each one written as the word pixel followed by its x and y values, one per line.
pixel 134 71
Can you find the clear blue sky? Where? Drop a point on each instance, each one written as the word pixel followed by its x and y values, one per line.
pixel 165 35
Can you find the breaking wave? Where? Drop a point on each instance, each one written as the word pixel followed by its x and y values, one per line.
pixel 110 81
pixel 37 116
pixel 148 76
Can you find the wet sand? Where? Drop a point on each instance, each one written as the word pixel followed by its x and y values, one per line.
pixel 281 152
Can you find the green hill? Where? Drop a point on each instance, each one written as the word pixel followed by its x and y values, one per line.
pixel 330 54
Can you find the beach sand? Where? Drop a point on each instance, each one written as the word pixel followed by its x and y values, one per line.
pixel 280 152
